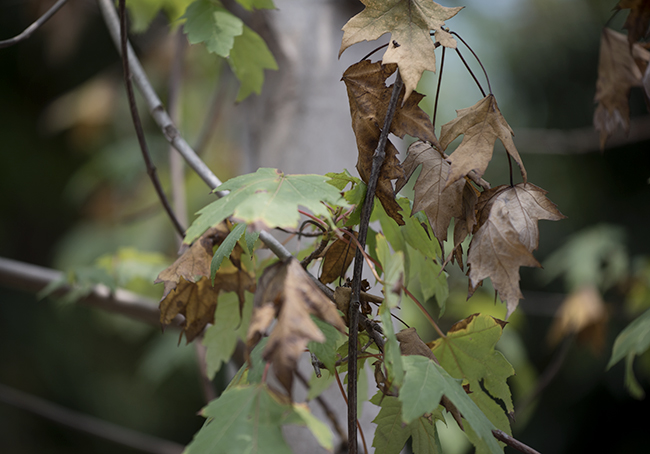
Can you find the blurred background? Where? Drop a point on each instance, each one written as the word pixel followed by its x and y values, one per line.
pixel 76 198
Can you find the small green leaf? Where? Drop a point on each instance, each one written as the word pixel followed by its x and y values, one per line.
pixel 633 340
pixel 249 58
pixel 417 237
pixel 267 198
pixel 212 24
pixel 425 280
pixel 356 196
pixel 256 4
pixel 389 227
pixel 251 239
pixel 342 179
pixel 225 248
pixel 326 351
pixel 142 12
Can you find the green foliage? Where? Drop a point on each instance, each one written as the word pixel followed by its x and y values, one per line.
pixel 143 11
pixel 256 4
pixel 249 57
pixel 326 351
pixel 250 419
pixel 210 23
pixel 225 248
pixel 632 341
pixel 268 199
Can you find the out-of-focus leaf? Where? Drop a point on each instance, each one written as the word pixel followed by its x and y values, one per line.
pixel 142 12
pixel 209 22
pixel 250 5
pixel 249 57
pixel 326 351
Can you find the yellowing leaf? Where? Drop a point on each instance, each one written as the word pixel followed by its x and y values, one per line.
pixel 409 23
pixel 285 291
pixel 617 74
pixel 481 125
pixel 507 234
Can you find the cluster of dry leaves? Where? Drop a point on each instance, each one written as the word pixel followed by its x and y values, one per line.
pixel 623 64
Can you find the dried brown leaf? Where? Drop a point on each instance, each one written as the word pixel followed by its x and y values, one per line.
pixel 638 20
pixel 617 74
pixel 337 260
pixel 505 236
pixel 285 291
pixel 481 125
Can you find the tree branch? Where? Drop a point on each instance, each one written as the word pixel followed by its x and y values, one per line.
pixel 88 424
pixel 35 26
pixel 137 124
pixel 353 315
pixel 513 442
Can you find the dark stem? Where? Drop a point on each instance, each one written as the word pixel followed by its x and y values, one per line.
pixel 435 103
pixel 477 59
pixel 373 51
pixel 35 26
pixel 510 167
pixel 513 443
pixel 470 71
pixel 377 161
pixel 151 169
pixel 88 424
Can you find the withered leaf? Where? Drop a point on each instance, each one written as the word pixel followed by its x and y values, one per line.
pixel 409 23
pixel 638 20
pixel 369 97
pixel 439 202
pixel 337 260
pixel 481 125
pixel 506 235
pixel 617 74
pixel 188 289
pixel 286 292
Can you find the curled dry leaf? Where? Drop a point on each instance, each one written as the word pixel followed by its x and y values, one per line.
pixel 285 291
pixel 505 236
pixel 617 74
pixel 369 97
pixel 481 125
pixel 337 259
pixel 188 290
pixel 409 23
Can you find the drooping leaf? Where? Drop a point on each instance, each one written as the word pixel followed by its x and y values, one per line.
pixel 285 291
pixel 337 259
pixel 632 341
pixel 302 416
pixel 225 248
pixel 617 74
pixel 505 236
pixel 249 419
pixel 467 352
pixel 409 23
pixel 424 384
pixel 249 57
pixel 267 199
pixel 326 351
pixel 369 98
pixel 391 433
pixel 210 23
pixel 425 279
pixel 481 125
pixel 638 19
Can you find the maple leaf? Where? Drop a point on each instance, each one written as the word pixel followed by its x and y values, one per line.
pixel 285 291
pixel 337 259
pixel 439 202
pixel 505 236
pixel 409 23
pixel 369 97
pixel 188 289
pixel 481 125
pixel 211 23
pixel 617 74
pixel 638 19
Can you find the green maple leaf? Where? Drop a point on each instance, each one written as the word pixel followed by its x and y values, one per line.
pixel 267 199
pixel 468 353
pixel 249 419
pixel 326 351
pixel 142 12
pixel 249 57
pixel 392 433
pixel 425 383
pixel 409 23
pixel 211 23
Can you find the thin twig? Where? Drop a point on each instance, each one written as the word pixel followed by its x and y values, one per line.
pixel 315 253
pixel 477 59
pixel 510 168
pixel 377 161
pixel 151 168
pixel 347 402
pixel 88 424
pixel 425 312
pixel 435 103
pixel 35 26
pixel 471 72
pixel 513 442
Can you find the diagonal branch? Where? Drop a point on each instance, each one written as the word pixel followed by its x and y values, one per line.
pixel 377 161
pixel 88 424
pixel 137 124
pixel 35 26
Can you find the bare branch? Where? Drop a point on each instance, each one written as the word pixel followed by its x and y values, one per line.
pixel 35 26
pixel 513 443
pixel 88 424
pixel 137 124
